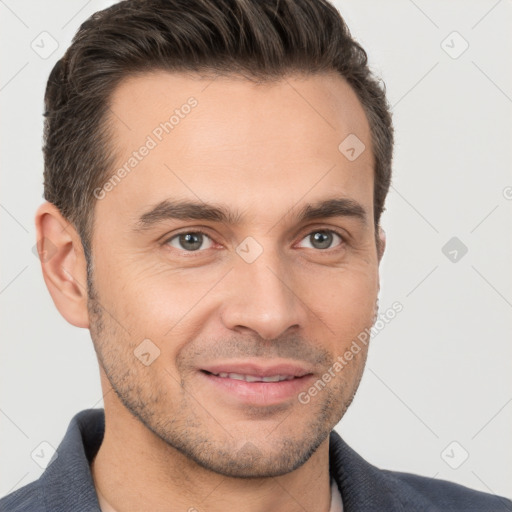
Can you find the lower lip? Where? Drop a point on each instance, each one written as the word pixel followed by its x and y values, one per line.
pixel 259 393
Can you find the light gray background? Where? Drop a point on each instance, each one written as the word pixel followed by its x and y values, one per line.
pixel 441 370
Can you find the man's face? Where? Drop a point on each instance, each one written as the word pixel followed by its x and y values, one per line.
pixel 202 317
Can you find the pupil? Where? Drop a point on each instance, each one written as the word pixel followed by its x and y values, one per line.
pixel 194 239
pixel 323 239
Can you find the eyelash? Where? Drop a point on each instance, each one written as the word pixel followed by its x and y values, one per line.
pixel 199 231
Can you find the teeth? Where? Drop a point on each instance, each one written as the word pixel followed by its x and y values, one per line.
pixel 275 378
pixel 236 376
pixel 253 378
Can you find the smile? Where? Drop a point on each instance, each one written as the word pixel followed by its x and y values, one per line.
pixel 256 382
pixel 254 378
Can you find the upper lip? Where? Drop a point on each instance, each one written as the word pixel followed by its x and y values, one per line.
pixel 258 369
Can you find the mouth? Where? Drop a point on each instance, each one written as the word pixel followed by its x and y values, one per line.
pixel 253 378
pixel 253 383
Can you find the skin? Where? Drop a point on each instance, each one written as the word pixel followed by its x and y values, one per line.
pixel 173 440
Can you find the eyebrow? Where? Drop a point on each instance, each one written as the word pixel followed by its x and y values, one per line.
pixel 191 210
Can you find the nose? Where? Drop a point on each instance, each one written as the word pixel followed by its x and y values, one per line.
pixel 263 297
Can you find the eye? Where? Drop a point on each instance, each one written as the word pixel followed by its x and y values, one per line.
pixel 322 238
pixel 190 241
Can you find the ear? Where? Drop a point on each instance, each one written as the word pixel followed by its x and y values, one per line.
pixel 382 243
pixel 63 264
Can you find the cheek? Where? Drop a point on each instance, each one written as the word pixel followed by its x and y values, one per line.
pixel 345 299
pixel 153 302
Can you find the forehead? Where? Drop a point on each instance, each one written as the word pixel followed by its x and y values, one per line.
pixel 263 147
pixel 314 106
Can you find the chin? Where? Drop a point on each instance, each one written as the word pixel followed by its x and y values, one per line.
pixel 251 461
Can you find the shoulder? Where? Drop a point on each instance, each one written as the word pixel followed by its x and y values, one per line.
pixel 66 483
pixel 27 499
pixel 366 487
pixel 445 495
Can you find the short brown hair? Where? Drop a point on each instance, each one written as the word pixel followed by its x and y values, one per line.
pixel 260 39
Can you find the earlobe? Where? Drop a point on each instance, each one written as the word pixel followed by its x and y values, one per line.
pixel 63 264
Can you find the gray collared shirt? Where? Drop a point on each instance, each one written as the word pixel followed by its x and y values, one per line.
pixel 67 485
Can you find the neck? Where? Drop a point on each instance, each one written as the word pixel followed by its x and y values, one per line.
pixel 136 470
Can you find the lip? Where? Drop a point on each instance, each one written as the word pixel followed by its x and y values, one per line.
pixel 257 393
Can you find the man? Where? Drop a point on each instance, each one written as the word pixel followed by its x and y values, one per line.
pixel 215 173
